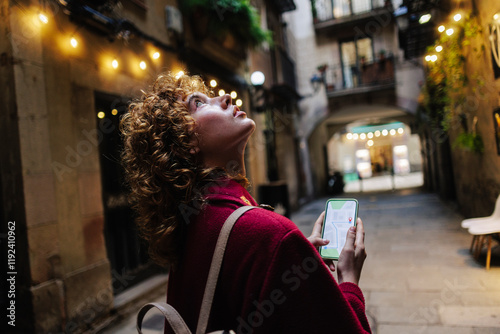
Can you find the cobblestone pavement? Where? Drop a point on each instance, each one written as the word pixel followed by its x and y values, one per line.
pixel 419 276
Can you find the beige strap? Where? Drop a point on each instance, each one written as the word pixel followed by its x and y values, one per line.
pixel 173 317
pixel 213 274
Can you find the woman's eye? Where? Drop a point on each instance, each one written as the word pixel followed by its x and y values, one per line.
pixel 198 103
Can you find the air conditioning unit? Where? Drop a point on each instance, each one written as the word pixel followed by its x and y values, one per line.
pixel 173 19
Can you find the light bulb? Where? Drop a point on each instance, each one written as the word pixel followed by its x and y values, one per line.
pixel 233 94
pixel 43 18
pixel 142 65
pixel 239 103
pixel 457 17
pixel 439 48
pixel 222 92
pixel 449 32
pixel 213 83
pixel 114 63
pixel 441 28
pixel 74 42
pixel 156 55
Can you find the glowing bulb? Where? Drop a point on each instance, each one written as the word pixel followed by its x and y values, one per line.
pixel 439 48
pixel 355 136
pixel 400 131
pixel 43 18
pixel 74 42
pixel 441 28
pixel 179 74
pixel 496 16
pixel 392 132
pixel 114 112
pixel 385 132
pixel 449 32
pixel 114 63
pixel 349 136
pixel 427 58
pixel 370 135
pixel 434 58
pixel 425 18
pixel 222 92
pixel 213 83
pixel 239 103
pixel 457 17
pixel 370 142
pixel 142 65
pixel 156 55
pixel 362 136
pixel 233 94
pixel 377 133
pixel 101 114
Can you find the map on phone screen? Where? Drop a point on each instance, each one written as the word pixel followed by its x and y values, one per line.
pixel 340 215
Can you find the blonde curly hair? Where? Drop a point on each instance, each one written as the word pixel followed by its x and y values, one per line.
pixel 164 176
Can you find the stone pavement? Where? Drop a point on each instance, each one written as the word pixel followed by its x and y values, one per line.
pixel 419 276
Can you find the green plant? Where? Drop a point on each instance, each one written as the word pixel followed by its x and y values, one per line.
pixel 237 17
pixel 447 82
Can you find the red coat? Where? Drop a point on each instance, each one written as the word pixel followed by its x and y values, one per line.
pixel 272 279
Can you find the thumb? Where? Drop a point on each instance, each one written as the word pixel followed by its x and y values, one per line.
pixel 351 237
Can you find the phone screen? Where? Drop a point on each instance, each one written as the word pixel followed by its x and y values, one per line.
pixel 340 214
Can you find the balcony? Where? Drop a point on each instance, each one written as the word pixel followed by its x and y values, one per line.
pixel 360 78
pixel 336 15
pixel 285 85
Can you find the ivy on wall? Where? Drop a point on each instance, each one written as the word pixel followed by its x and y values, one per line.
pixel 447 82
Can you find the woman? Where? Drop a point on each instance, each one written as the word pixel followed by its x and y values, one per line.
pixel 183 156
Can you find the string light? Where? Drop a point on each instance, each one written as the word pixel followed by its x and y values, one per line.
pixel 114 63
pixel 424 18
pixel 457 17
pixel 114 112
pixel 142 65
pixel 44 19
pixel 179 74
pixel 213 83
pixel 233 94
pixel 239 103
pixel 156 55
pixel 370 135
pixel 74 42
pixel 385 132
pixel 400 131
pixel 439 48
pixel 362 136
pixel 355 136
pixel 392 132
pixel 369 143
pixel 496 16
pixel 450 32
pixel 222 92
pixel 377 133
pixel 349 136
pixel 441 28
pixel 101 114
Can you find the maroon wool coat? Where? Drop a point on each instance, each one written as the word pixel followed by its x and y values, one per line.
pixel 272 279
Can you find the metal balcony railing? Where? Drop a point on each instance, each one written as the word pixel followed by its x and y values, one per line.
pixel 287 69
pixel 362 74
pixel 324 10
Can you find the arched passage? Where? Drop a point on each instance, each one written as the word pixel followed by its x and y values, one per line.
pixel 330 149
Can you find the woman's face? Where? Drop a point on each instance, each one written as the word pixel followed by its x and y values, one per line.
pixel 222 128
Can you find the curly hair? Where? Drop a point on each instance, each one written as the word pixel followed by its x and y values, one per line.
pixel 164 176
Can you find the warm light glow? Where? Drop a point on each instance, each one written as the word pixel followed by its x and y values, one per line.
pixel 434 58
pixel 400 131
pixel 427 58
pixel 257 78
pixel 239 103
pixel 156 55
pixel 349 136
pixel 74 42
pixel 457 17
pixel 233 94
pixel 114 63
pixel 114 112
pixel 222 92
pixel 496 16
pixel 385 132
pixel 439 48
pixel 213 83
pixel 362 136
pixel 370 135
pixel 441 28
pixel 425 18
pixel 101 114
pixel 449 32
pixel 355 136
pixel 43 18
pixel 142 65
pixel 369 143
pixel 377 133
pixel 392 132
pixel 179 74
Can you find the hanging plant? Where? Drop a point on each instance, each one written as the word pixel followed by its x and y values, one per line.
pixel 237 17
pixel 446 84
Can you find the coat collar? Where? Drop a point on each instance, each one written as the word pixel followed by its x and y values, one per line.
pixel 229 190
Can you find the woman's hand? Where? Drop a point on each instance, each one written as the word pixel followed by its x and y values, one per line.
pixel 316 240
pixel 353 255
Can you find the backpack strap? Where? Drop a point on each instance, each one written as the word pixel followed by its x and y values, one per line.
pixel 213 274
pixel 171 315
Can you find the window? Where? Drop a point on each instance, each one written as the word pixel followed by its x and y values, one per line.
pixel 354 54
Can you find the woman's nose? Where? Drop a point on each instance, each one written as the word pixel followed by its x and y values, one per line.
pixel 226 101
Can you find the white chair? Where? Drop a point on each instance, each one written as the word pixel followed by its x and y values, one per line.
pixel 484 229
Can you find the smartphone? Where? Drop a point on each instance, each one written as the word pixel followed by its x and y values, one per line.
pixel 340 214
